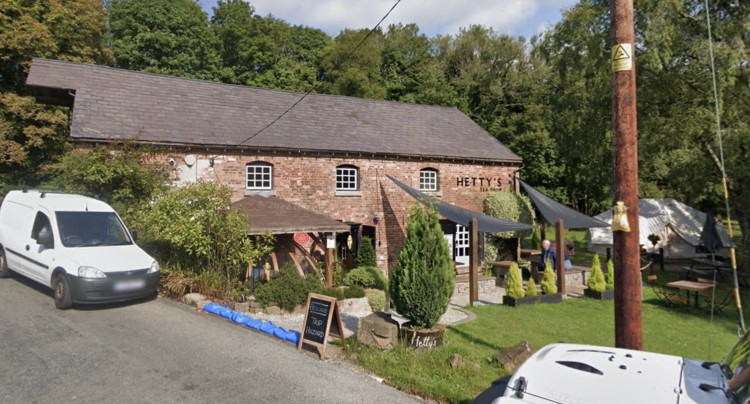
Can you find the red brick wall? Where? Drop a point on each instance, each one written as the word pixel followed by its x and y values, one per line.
pixel 309 181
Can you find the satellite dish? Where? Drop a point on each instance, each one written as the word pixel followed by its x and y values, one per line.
pixel 190 160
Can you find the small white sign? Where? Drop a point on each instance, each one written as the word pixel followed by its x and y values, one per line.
pixel 330 242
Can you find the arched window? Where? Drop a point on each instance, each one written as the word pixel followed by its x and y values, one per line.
pixel 259 176
pixel 347 178
pixel 428 179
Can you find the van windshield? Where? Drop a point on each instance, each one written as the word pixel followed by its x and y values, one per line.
pixel 89 229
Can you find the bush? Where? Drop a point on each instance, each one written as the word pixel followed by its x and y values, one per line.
pixel 367 277
pixel 376 300
pixel 422 282
pixel 336 293
pixel 491 248
pixel 596 277
pixel 287 288
pixel 610 276
pixel 366 257
pixel 354 292
pixel 531 287
pixel 509 206
pixel 514 283
pixel 549 279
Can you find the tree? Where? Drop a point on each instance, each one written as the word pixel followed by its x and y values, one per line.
pixel 366 257
pixel 353 71
pixel 164 36
pixel 596 280
pixel 514 283
pixel 549 279
pixel 422 282
pixel 32 135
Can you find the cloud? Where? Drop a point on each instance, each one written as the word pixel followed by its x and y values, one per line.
pixel 434 17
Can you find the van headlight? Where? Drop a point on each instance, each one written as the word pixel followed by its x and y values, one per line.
pixel 90 272
pixel 154 268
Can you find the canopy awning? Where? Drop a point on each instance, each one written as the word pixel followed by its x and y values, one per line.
pixel 463 216
pixel 269 213
pixel 552 210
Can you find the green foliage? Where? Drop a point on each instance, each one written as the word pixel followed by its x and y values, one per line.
pixel 366 257
pixel 367 277
pixel 509 206
pixel 596 280
pixel 531 287
pixel 549 279
pixel 354 292
pixel 376 299
pixel 336 293
pixel 197 222
pixel 536 239
pixel 287 288
pixel 514 282
pixel 610 275
pixel 422 282
pixel 491 248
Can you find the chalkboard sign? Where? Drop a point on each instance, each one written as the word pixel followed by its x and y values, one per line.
pixel 322 319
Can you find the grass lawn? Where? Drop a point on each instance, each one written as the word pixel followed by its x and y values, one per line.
pixel 669 330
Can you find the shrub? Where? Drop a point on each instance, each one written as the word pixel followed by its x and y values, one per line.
pixel 336 293
pixel 549 279
pixel 367 277
pixel 536 239
pixel 422 282
pixel 287 288
pixel 509 206
pixel 366 257
pixel 531 287
pixel 376 298
pixel 514 283
pixel 610 276
pixel 491 248
pixel 596 280
pixel 354 292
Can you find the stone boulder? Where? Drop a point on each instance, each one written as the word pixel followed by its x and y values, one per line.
pixel 378 330
pixel 512 357
pixel 360 305
pixel 458 361
pixel 192 299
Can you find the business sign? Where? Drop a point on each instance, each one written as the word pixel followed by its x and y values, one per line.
pixel 322 319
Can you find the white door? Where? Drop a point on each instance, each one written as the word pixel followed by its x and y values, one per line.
pixel 449 239
pixel 462 245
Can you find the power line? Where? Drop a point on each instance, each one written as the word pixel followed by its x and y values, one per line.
pixel 308 92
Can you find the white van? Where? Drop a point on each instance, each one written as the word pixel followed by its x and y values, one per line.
pixel 74 244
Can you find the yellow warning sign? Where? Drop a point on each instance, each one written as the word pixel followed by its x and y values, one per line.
pixel 622 57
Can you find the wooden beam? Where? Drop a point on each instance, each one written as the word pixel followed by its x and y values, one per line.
pixel 275 262
pixel 560 264
pixel 473 261
pixel 296 263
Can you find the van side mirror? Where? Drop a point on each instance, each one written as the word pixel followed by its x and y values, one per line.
pixel 134 235
pixel 44 238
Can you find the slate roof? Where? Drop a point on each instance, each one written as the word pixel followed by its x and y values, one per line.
pixel 115 104
pixel 281 217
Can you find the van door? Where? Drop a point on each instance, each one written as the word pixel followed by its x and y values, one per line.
pixel 15 220
pixel 41 249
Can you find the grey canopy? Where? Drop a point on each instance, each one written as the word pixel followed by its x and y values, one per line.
pixel 463 216
pixel 552 210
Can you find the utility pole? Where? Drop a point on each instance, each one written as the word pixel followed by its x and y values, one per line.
pixel 628 293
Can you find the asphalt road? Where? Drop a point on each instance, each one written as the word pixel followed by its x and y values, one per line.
pixel 157 351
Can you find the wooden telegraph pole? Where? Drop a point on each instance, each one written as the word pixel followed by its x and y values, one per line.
pixel 473 261
pixel 628 330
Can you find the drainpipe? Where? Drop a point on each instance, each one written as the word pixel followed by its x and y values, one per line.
pixel 516 186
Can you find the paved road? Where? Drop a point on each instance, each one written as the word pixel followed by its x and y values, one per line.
pixel 157 351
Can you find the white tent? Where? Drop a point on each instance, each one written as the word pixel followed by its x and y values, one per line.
pixel 678 226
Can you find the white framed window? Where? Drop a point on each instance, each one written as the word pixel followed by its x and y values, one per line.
pixel 347 178
pixel 428 179
pixel 259 176
pixel 462 244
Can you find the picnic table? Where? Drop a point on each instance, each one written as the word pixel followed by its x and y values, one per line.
pixel 529 252
pixel 690 286
pixel 714 269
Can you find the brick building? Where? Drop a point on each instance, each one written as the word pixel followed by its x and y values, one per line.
pixel 314 165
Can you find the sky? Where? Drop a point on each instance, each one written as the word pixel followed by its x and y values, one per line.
pixel 434 17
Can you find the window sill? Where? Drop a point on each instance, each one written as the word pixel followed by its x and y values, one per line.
pixel 348 193
pixel 261 192
pixel 436 194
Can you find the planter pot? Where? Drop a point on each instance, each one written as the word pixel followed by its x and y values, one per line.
pixel 553 298
pixel 606 295
pixel 426 338
pixel 509 301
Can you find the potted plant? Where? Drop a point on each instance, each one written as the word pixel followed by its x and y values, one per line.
pixel 531 287
pixel 596 284
pixel 421 285
pixel 549 285
pixel 514 293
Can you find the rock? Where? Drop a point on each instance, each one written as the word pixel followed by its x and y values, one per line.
pixel 512 357
pixel 273 311
pixel 459 361
pixel 202 303
pixel 255 304
pixel 425 338
pixel 379 330
pixel 299 309
pixel 359 305
pixel 243 307
pixel 192 299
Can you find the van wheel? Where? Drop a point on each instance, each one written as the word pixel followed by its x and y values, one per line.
pixel 61 288
pixel 4 271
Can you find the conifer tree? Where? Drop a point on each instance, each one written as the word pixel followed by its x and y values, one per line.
pixel 514 284
pixel 366 257
pixel 549 280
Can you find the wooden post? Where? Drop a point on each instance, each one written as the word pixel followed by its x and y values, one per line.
pixel 560 264
pixel 473 261
pixel 628 325
pixel 543 230
pixel 329 267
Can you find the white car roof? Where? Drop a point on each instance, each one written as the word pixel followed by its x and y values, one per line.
pixel 58 202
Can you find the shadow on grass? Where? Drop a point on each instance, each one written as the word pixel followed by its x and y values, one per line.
pixel 472 339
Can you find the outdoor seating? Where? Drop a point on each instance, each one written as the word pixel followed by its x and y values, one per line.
pixel 668 296
pixel 715 299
